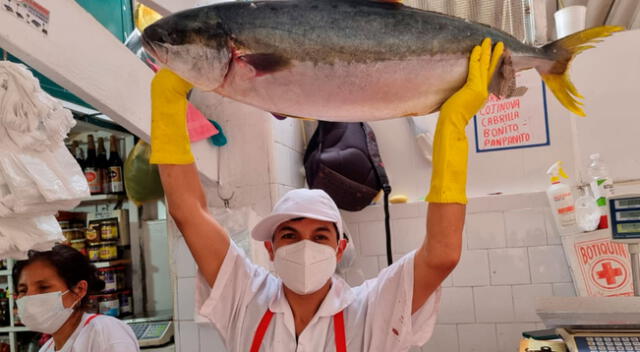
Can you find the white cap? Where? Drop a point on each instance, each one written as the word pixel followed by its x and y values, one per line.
pixel 299 203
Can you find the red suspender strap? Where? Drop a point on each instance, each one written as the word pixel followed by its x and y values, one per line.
pixel 261 330
pixel 85 324
pixel 89 320
pixel 339 332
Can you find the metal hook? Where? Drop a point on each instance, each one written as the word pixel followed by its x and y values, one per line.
pixel 225 201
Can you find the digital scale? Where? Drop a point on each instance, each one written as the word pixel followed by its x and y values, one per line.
pixel 591 340
pixel 155 331
pixel 624 223
pixel 624 218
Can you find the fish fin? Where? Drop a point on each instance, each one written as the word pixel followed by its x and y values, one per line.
pixel 562 51
pixel 266 62
pixel 280 116
pixel 518 92
pixel 503 82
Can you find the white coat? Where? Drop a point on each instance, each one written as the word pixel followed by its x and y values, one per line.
pixel 102 334
pixel 377 314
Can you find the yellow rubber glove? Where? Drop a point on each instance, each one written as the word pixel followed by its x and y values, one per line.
pixel 170 142
pixel 450 146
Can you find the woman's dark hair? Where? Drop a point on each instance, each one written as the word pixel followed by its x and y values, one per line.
pixel 71 265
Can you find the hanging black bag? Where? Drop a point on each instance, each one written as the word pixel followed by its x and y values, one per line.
pixel 343 159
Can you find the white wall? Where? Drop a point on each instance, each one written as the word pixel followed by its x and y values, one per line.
pixel 511 254
pixel 611 75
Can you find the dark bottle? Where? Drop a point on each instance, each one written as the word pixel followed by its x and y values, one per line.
pixel 4 309
pixel 115 166
pixel 101 164
pixel 91 171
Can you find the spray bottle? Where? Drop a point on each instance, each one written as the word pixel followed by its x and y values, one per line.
pixel 561 197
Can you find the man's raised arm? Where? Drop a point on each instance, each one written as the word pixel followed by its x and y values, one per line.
pixel 170 148
pixel 440 252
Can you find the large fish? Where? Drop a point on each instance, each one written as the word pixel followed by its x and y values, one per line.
pixel 346 60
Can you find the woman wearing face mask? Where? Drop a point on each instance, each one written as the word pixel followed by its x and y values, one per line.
pixel 52 293
pixel 305 307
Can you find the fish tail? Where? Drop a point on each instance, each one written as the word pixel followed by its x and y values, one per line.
pixel 562 51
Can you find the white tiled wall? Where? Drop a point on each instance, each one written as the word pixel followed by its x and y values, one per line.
pixel 511 255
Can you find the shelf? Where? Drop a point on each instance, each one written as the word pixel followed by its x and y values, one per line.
pixel 110 263
pixel 103 198
pixel 13 329
pixel 5 272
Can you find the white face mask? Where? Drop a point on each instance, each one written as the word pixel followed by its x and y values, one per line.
pixel 305 266
pixel 44 312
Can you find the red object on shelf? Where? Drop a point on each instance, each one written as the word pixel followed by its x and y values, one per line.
pixel 604 222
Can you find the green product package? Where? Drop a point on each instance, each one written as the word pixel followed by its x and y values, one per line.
pixel 141 179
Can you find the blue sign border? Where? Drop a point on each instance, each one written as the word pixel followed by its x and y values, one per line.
pixel 546 125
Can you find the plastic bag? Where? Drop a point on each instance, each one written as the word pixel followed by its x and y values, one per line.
pixel 141 179
pixel 238 223
pixel 19 235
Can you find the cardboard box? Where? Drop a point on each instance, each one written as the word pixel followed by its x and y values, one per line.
pixel 600 267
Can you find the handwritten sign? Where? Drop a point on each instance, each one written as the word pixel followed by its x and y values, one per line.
pixel 519 122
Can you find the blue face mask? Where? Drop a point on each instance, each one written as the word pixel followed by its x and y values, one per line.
pixel 44 312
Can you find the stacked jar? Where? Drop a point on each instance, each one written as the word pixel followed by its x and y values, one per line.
pixel 102 238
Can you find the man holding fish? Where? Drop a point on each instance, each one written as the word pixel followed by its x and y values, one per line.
pixel 304 307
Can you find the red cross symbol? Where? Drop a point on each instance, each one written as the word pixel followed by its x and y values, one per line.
pixel 609 273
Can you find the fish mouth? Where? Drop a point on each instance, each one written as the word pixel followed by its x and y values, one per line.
pixel 157 50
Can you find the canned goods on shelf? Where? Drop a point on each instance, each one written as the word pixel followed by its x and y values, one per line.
pixel 91 233
pixel 109 230
pixel 108 251
pixel 126 303
pixel 121 277
pixel 108 275
pixel 93 252
pixel 92 304
pixel 80 245
pixel 73 234
pixel 109 305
